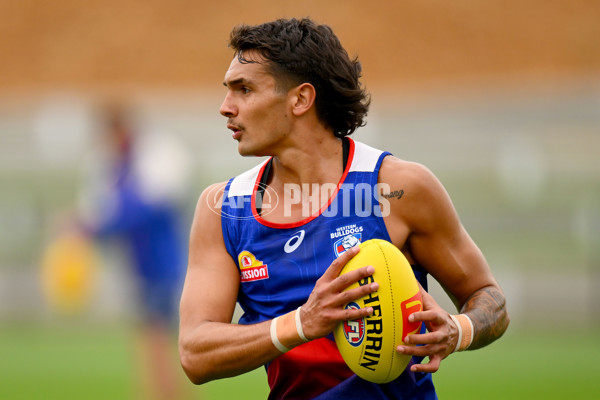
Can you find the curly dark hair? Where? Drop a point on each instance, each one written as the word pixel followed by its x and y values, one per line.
pixel 299 51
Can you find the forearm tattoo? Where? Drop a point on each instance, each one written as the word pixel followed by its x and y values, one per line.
pixel 487 309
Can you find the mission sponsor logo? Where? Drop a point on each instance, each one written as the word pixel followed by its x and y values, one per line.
pixel 251 269
pixel 347 237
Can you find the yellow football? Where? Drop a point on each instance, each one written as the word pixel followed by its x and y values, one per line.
pixel 368 345
pixel 69 265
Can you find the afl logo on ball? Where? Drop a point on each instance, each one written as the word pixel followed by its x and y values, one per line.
pixel 354 330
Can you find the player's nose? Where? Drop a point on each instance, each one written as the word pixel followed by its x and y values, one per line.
pixel 228 108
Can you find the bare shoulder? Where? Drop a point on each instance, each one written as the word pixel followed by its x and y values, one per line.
pixel 411 178
pixel 211 198
pixel 207 217
pixel 395 169
pixel 414 193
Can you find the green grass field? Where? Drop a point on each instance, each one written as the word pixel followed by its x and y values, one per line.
pixel 96 362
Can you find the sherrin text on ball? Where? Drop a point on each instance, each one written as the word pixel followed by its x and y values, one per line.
pixel 368 345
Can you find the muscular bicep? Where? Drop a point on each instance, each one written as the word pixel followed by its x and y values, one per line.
pixel 212 279
pixel 425 224
pixel 453 259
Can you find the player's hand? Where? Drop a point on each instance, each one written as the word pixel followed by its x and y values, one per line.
pixel 439 341
pixel 324 308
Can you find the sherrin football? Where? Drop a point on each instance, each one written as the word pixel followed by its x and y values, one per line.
pixel 368 345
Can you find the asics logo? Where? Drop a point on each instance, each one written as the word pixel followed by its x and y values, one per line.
pixel 294 242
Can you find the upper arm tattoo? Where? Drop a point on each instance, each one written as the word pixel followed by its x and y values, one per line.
pixel 394 194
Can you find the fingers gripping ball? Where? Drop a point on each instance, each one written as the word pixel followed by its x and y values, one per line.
pixel 368 345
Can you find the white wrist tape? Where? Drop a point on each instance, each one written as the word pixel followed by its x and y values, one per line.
pixel 274 337
pixel 459 333
pixel 465 331
pixel 299 326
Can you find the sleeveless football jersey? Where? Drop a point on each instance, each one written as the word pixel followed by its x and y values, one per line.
pixel 280 264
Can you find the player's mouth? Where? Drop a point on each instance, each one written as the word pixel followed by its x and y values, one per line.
pixel 237 131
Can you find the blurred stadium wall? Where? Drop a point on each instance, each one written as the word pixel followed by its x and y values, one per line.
pixel 501 99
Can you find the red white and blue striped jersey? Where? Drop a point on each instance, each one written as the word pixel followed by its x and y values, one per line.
pixel 280 264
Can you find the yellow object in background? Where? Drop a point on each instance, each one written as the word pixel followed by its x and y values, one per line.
pixel 69 265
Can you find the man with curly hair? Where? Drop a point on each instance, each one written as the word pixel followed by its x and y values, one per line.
pixel 272 238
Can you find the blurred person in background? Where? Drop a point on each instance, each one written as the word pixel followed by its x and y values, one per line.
pixel 133 193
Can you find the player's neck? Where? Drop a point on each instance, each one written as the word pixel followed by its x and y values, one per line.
pixel 313 160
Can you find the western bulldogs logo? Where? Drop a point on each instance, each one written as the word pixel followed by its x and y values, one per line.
pixel 346 243
pixel 354 330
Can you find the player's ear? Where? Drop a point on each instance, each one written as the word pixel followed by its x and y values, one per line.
pixel 303 98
